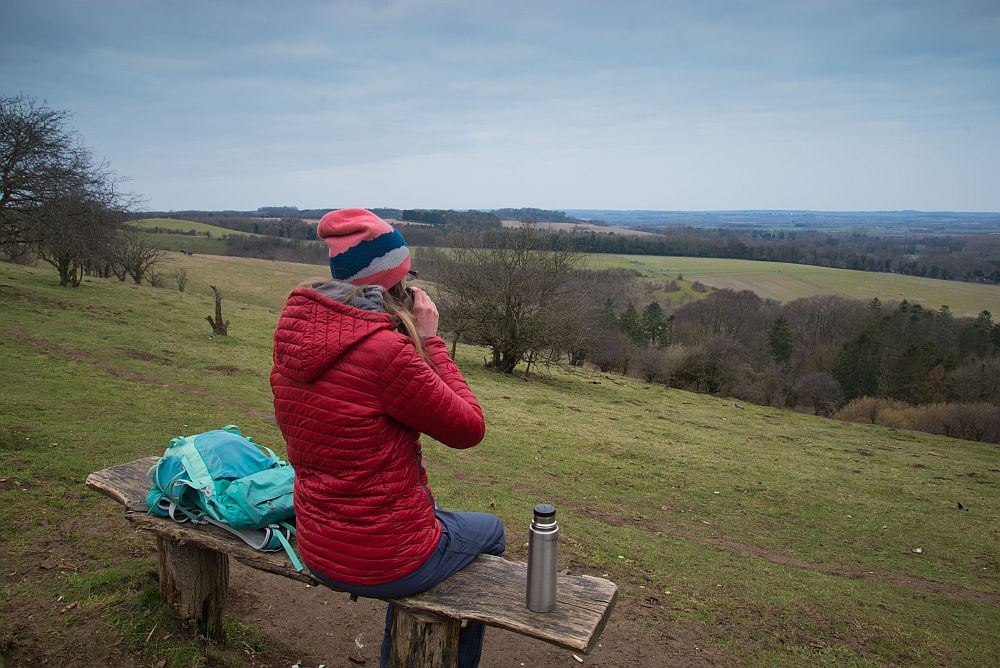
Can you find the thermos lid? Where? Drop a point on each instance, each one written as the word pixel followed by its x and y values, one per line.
pixel 545 511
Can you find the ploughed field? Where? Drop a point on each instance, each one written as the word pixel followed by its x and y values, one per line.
pixel 739 534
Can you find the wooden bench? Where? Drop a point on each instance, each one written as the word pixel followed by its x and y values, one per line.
pixel 194 577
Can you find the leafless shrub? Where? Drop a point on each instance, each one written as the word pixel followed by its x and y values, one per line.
pixel 819 391
pixel 650 364
pixel 867 410
pixel 181 278
pixel 138 255
pixel 972 421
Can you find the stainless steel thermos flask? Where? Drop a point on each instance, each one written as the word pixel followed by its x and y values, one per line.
pixel 543 556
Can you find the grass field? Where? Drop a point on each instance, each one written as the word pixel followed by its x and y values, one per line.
pixel 785 282
pixel 185 226
pixel 770 537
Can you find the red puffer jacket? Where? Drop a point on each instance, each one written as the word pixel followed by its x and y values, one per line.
pixel 351 397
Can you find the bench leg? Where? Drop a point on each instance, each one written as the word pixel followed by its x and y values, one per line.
pixel 195 581
pixel 423 641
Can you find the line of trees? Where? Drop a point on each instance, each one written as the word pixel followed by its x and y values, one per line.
pixel 275 248
pixel 61 205
pixel 462 219
pixel 965 258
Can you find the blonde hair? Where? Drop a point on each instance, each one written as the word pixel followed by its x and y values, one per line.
pixel 395 301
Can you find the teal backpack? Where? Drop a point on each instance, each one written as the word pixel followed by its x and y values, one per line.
pixel 223 478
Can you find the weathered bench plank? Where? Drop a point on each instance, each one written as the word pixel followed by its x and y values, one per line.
pixel 489 590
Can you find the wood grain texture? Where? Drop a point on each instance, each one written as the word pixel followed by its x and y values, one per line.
pixel 125 483
pixel 195 581
pixel 422 641
pixel 490 590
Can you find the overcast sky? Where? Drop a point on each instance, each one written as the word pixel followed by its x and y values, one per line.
pixel 805 104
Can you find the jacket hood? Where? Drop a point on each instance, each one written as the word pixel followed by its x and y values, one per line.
pixel 315 330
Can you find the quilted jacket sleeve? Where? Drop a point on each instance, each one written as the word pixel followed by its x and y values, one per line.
pixel 434 401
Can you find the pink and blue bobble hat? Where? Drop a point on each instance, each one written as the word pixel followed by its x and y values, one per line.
pixel 364 249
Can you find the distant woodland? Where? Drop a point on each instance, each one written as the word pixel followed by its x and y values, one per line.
pixel 973 258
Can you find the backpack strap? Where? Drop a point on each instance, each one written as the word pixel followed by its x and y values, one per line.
pixel 269 452
pixel 194 465
pixel 263 539
pixel 280 535
pixel 178 513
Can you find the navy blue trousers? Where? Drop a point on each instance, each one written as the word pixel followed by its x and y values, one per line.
pixel 464 536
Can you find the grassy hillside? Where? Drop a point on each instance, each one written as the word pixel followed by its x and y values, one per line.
pixel 768 536
pixel 785 282
pixel 175 235
pixel 186 226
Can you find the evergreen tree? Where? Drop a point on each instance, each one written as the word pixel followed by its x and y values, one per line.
pixel 629 322
pixel 857 367
pixel 653 325
pixel 779 340
pixel 910 376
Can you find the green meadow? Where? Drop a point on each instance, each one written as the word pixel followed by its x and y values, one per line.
pixel 774 538
pixel 177 226
pixel 786 282
pixel 174 235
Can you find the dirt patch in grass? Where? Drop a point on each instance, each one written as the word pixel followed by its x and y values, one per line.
pixel 227 369
pixel 144 356
pixel 128 374
pixel 11 483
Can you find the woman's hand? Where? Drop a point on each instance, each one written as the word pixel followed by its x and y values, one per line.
pixel 425 314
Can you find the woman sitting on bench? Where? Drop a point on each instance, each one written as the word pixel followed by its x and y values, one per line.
pixel 359 373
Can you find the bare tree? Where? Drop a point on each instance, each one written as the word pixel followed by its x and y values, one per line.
pixel 181 277
pixel 39 157
pixel 138 256
pixel 54 196
pixel 503 289
pixel 73 232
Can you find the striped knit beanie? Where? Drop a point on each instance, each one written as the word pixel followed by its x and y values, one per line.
pixel 364 249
